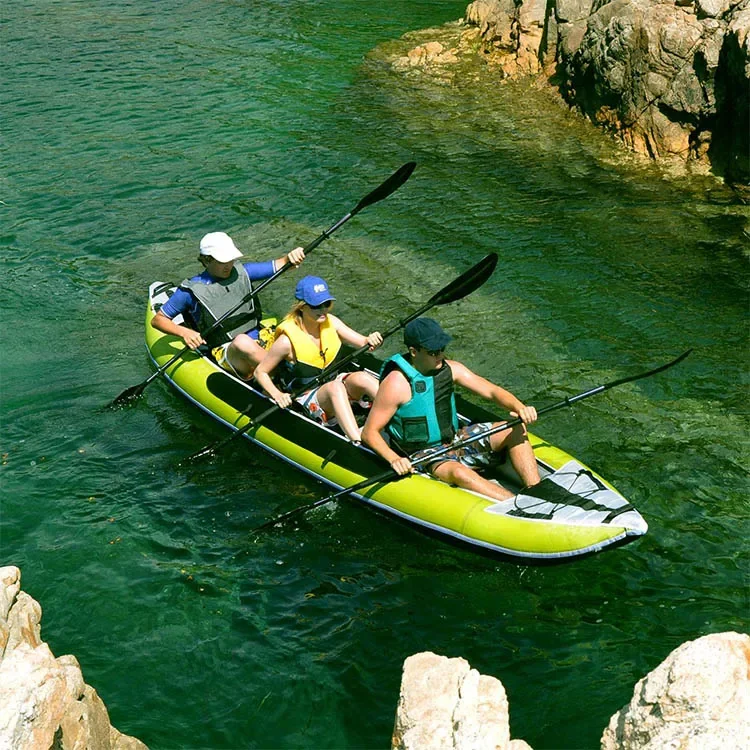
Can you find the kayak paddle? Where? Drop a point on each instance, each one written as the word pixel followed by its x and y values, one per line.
pixel 459 288
pixel 390 475
pixel 393 183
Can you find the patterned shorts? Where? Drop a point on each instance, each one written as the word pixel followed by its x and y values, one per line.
pixel 476 455
pixel 309 402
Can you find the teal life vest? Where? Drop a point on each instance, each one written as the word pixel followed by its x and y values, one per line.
pixel 429 418
pixel 218 298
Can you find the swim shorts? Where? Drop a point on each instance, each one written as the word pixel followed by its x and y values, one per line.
pixel 309 402
pixel 476 455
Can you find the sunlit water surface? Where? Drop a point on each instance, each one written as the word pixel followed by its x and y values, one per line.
pixel 129 130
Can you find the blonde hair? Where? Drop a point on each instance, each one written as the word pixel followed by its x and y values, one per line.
pixel 295 312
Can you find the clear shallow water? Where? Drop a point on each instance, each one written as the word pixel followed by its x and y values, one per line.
pixel 128 133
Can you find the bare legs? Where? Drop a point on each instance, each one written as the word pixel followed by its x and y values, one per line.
pixel 521 457
pixel 335 399
pixel 245 354
pixel 520 452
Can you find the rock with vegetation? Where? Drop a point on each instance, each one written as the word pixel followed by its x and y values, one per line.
pixel 44 702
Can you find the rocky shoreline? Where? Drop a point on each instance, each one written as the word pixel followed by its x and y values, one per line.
pixel 697 699
pixel 669 78
pixel 44 702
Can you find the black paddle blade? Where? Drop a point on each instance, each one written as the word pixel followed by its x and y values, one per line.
pixel 467 282
pixel 127 396
pixel 393 183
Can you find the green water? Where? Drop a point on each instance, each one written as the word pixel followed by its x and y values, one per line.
pixel 129 130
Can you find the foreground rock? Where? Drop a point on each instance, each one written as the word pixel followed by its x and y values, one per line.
pixel 671 78
pixel 446 704
pixel 698 698
pixel 44 702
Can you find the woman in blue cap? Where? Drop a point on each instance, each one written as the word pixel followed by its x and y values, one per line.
pixel 308 340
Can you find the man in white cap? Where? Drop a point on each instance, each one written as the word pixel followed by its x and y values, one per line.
pixel 203 299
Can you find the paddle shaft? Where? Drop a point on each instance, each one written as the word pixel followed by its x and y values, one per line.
pixel 457 289
pixel 390 475
pixel 332 369
pixel 398 178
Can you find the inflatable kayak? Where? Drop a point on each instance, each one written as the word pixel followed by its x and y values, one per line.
pixel 571 513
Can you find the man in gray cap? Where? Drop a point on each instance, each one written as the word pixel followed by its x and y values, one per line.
pixel 416 407
pixel 203 299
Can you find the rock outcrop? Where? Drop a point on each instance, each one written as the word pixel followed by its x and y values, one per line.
pixel 698 698
pixel 44 702
pixel 670 78
pixel 661 76
pixel 445 703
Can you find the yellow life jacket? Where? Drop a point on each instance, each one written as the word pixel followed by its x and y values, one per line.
pixel 310 359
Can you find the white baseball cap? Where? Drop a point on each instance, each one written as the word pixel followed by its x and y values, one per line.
pixel 219 246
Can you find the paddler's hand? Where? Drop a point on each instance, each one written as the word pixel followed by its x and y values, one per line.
pixel 374 340
pixel 192 338
pixel 402 466
pixel 283 400
pixel 296 256
pixel 527 414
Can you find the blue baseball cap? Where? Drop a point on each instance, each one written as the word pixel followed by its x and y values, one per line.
pixel 313 290
pixel 426 333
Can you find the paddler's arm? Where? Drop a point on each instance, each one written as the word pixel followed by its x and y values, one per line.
pixel 463 376
pixel 279 351
pixel 295 257
pixel 351 337
pixel 394 390
pixel 162 323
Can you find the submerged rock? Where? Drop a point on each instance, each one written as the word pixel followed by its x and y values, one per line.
pixel 44 702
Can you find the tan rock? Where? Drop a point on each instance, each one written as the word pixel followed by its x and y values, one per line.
pixel 24 622
pixel 495 21
pixel 10 585
pixel 44 702
pixel 444 703
pixel 35 691
pixel 698 698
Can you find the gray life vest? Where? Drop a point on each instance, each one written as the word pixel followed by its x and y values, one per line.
pixel 221 296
